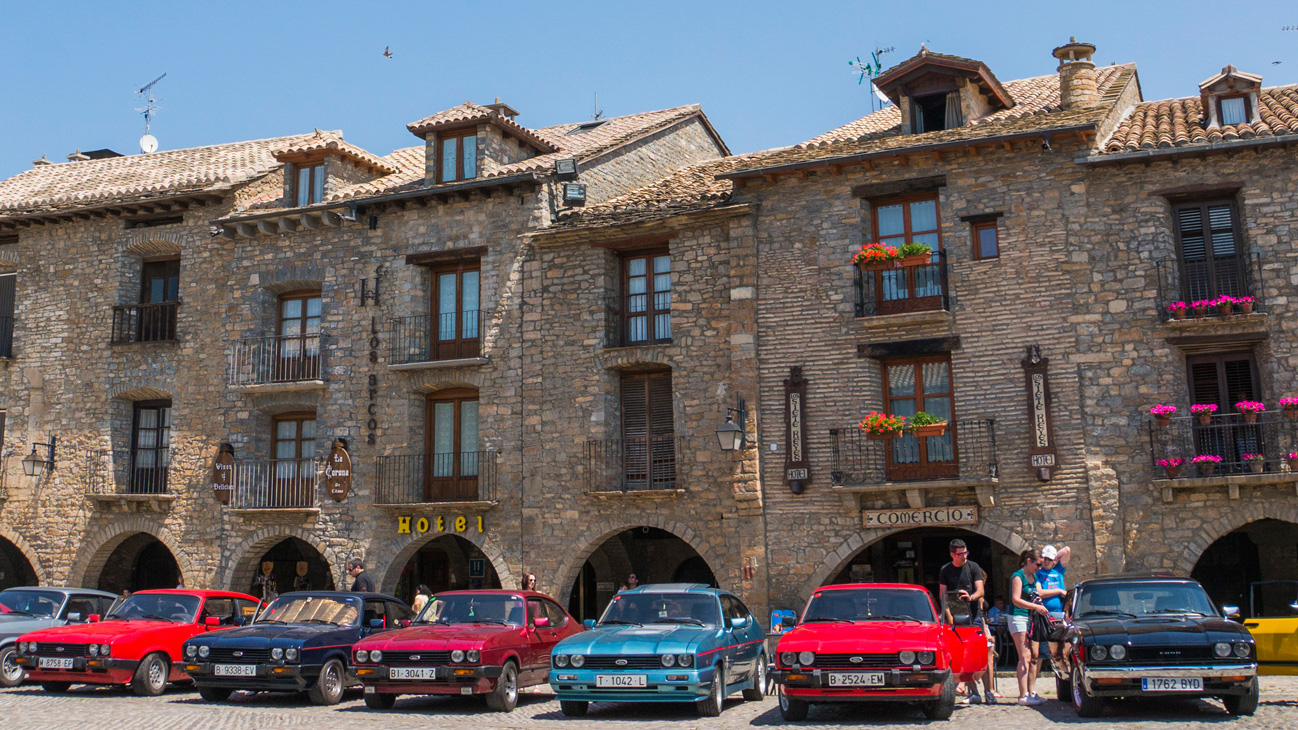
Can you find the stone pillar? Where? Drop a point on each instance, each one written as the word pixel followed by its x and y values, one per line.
pixel 1077 87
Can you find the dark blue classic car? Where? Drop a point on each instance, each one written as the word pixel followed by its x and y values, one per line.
pixel 24 610
pixel 300 642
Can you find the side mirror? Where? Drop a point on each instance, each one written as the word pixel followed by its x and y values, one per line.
pixel 738 623
pixel 541 622
pixel 94 618
pixel 1231 612
pixel 240 621
pixel 789 621
pixel 404 623
pixel 74 617
pixel 376 623
pixel 589 623
pixel 211 622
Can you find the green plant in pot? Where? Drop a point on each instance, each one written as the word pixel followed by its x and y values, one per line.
pixel 916 254
pixel 927 424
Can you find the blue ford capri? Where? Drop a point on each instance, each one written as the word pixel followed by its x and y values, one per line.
pixel 670 642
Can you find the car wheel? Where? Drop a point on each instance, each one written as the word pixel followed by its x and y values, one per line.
pixel 505 696
pixel 573 708
pixel 328 687
pixel 377 701
pixel 1245 704
pixel 711 705
pixel 944 705
pixel 215 694
pixel 56 687
pixel 1063 688
pixel 11 675
pixel 791 709
pixel 758 690
pixel 151 676
pixel 1084 702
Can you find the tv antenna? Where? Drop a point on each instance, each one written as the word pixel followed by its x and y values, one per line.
pixel 871 69
pixel 149 143
pixel 599 113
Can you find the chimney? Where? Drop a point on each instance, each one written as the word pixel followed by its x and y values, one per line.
pixel 1077 87
pixel 503 109
pixel 41 162
pixel 77 156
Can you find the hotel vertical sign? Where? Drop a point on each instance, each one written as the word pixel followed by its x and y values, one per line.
pixel 1041 449
pixel 797 465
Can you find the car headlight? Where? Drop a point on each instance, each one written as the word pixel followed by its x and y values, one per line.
pixel 22 647
pixel 204 650
pixel 578 661
pixel 788 659
pixel 457 656
pixel 362 656
pixel 685 660
pixel 1099 653
pixel 105 650
pixel 376 655
pixel 1117 652
pixel 1221 649
pixel 926 658
pixel 1242 650
pixel 806 658
pixel 906 657
pixel 94 650
pixel 473 656
pixel 560 660
pixel 668 660
pixel 32 647
pixel 191 651
pixel 277 653
pixel 290 654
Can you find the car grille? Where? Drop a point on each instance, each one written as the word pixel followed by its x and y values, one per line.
pixel 844 661
pixel 407 657
pixel 1170 655
pixel 639 661
pixel 248 656
pixel 50 648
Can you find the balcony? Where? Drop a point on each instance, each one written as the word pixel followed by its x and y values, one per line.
pixel 462 477
pixel 6 337
pixel 144 323
pixel 129 480
pixel 963 458
pixel 645 465
pixel 445 340
pixel 1273 435
pixel 276 363
pixel 907 293
pixel 1191 281
pixel 275 485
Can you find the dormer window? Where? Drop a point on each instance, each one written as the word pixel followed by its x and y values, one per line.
pixel 1234 110
pixel 458 155
pixel 936 112
pixel 937 92
pixel 309 187
pixel 1230 98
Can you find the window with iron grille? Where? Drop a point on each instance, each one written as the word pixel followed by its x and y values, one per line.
pixel 646 306
pixel 912 288
pixel 298 356
pixel 293 467
pixel 1212 262
pixel 451 446
pixel 1223 380
pixel 454 309
pixel 150 447
pixel 911 386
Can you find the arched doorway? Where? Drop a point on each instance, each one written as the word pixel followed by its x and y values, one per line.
pixel 446 563
pixel 15 568
pixel 139 563
pixel 291 564
pixel 653 554
pixel 1263 550
pixel 915 556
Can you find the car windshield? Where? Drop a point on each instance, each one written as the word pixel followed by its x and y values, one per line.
pixel 158 606
pixel 336 610
pixel 1271 599
pixel 42 604
pixel 1143 599
pixel 474 608
pixel 867 604
pixel 697 609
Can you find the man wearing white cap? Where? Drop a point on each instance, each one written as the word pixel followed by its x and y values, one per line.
pixel 1052 589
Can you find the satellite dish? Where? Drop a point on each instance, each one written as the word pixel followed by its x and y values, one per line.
pixel 148 143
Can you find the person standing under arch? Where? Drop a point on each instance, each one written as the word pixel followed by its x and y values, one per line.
pixel 965 580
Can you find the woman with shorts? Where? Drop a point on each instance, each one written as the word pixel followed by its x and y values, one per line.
pixel 1023 588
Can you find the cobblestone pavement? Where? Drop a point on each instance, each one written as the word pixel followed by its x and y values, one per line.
pixel 30 707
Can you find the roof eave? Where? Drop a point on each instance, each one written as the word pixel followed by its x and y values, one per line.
pixel 630 229
pixel 1191 150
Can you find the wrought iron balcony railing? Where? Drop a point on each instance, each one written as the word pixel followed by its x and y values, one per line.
pixel 6 337
pixel 276 359
pixel 123 471
pixel 1203 280
pixel 904 289
pixel 966 452
pixel 632 464
pixel 1273 436
pixel 465 476
pixel 453 336
pixel 144 323
pixel 274 483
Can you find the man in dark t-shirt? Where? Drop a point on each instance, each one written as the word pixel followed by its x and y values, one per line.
pixel 361 581
pixel 962 580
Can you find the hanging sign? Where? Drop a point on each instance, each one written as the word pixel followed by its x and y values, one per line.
pixel 797 466
pixel 1041 447
pixel 223 473
pixel 338 472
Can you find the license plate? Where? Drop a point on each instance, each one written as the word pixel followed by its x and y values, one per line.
pixel 53 662
pixel 1171 684
pixel 235 670
pixel 412 673
pixel 621 680
pixel 856 679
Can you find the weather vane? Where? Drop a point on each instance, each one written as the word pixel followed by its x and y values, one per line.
pixel 872 69
pixel 148 143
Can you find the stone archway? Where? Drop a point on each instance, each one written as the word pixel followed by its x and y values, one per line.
pixel 1184 562
pixel 23 550
pixel 403 550
pixel 238 574
pixel 597 535
pixel 96 550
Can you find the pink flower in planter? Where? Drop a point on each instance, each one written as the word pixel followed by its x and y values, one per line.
pixel 1162 410
pixel 1289 402
pixel 1203 409
pixel 1206 459
pixel 1250 406
pixel 1175 306
pixel 1173 462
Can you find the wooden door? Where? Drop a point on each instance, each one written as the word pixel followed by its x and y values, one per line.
pixel 451 447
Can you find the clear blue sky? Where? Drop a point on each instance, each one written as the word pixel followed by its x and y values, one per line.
pixel 767 73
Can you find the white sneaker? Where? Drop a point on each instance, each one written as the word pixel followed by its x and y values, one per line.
pixel 1030 701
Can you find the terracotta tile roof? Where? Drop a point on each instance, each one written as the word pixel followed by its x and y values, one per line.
pixel 1180 123
pixel 75 185
pixel 890 80
pixel 469 112
pixel 333 142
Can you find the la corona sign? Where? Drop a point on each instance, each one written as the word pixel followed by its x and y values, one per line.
pixel 338 472
pixel 876 518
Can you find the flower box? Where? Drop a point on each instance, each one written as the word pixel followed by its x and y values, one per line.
pixel 921 259
pixel 936 429
pixel 882 435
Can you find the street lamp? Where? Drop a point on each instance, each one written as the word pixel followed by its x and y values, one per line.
pixel 730 435
pixel 33 464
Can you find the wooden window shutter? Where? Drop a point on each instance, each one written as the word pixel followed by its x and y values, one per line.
pixel 660 404
pixel 1189 221
pixel 1204 386
pixel 1239 381
pixel 1222 379
pixel 635 407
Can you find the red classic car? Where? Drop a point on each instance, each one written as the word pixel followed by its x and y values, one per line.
pixel 873 642
pixel 136 644
pixel 465 643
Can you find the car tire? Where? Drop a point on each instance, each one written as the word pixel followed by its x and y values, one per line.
pixel 758 691
pixel 328 687
pixel 379 701
pixel 791 709
pixel 574 708
pixel 57 688
pixel 1245 704
pixel 944 705
pixel 1063 688
pixel 504 698
pixel 1086 704
pixel 151 676
pixel 11 675
pixel 215 694
pixel 710 706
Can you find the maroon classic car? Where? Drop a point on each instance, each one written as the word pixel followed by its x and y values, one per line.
pixel 872 642
pixel 466 643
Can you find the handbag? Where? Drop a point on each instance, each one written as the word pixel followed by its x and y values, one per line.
pixel 1039 629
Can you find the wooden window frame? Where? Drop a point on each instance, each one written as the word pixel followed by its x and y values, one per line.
pixel 315 179
pixel 298 489
pixel 275 440
pixel 650 313
pixel 1210 259
pixel 1228 435
pixel 976 229
pixel 1226 400
pixel 291 367
pixel 457 487
pixel 8 312
pixel 923 469
pixel 649 460
pixel 1221 116
pixel 155 483
pixel 460 347
pixel 458 136
pixel 909 303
